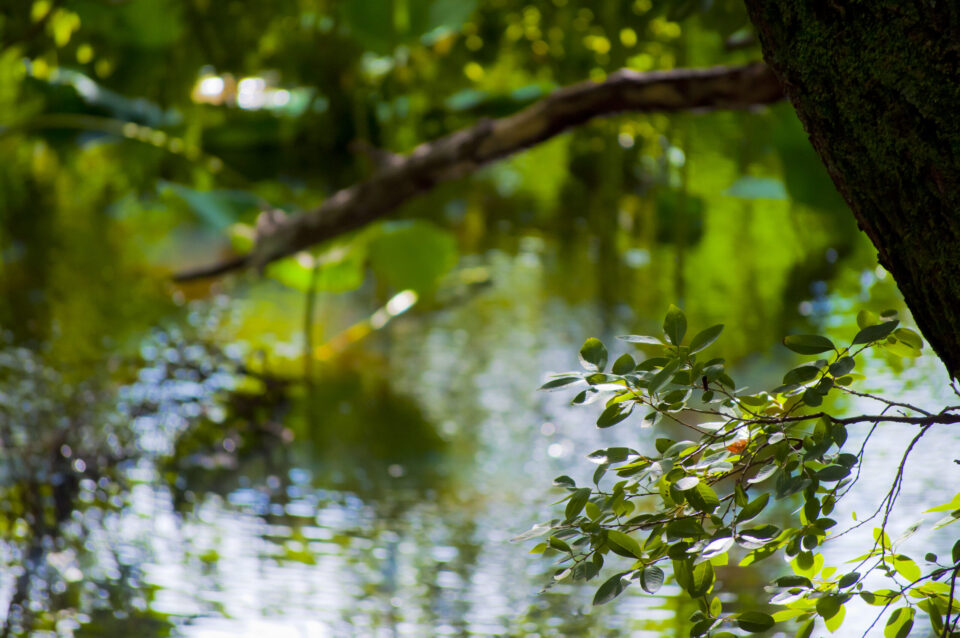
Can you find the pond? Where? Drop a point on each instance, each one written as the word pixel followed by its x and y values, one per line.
pixel 169 471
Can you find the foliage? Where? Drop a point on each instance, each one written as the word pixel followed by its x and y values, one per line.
pixel 693 503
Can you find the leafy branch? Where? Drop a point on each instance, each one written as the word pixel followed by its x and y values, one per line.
pixel 695 500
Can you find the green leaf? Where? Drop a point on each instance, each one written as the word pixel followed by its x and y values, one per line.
pixel 753 508
pixel 806 629
pixel 875 332
pixel 801 375
pixel 705 338
pixel 842 366
pixel 625 542
pixel 685 528
pixel 614 414
pixel 866 318
pixel 833 623
pixel 687 483
pixel 703 498
pixel 675 325
pixel 955 553
pixel 701 579
pixel 904 343
pixel 651 579
pixel 559 382
pixel 808 344
pixel 610 589
pixel 559 543
pixel 576 502
pixel 833 473
pixel 661 378
pixel 537 530
pixel 794 581
pixel 611 455
pixel 812 398
pixel 593 355
pixel 624 364
pixel 900 623
pixel 906 567
pixel 848 579
pixel 755 621
pixel 828 606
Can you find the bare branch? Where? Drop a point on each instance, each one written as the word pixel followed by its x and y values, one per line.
pixel 461 153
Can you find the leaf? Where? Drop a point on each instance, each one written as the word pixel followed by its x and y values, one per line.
pixel 593 355
pixel 875 332
pixel 559 382
pixel 842 366
pixel 806 629
pixel 833 473
pixel 828 607
pixel 560 544
pixel 794 581
pixel 848 579
pixel 866 318
pixel 651 579
pixel 812 398
pixel 717 546
pixel 703 498
pixel 801 375
pixel 614 414
pixel 808 344
pixel 900 623
pixel 625 542
pixel 753 508
pixel 675 325
pixel 701 579
pixel 955 553
pixel 909 337
pixel 685 528
pixel 763 474
pixel 687 483
pixel 755 621
pixel 610 589
pixel 650 341
pixel 833 623
pixel 537 530
pixel 611 455
pixel 576 502
pixel 906 567
pixel 624 364
pixel 705 338
pixel 661 378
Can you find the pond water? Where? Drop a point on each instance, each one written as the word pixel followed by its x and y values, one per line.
pixel 169 472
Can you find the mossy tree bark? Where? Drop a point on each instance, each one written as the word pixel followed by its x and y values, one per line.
pixel 877 86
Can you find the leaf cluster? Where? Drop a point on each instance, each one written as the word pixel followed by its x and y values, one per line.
pixel 688 506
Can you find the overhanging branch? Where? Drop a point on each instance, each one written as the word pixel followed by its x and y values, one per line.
pixel 463 152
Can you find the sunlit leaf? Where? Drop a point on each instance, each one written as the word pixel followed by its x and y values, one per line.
pixel 593 354
pixel 675 325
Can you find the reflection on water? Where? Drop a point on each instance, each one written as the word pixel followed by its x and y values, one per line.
pixel 377 501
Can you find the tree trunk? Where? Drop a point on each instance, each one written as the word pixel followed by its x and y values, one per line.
pixel 877 86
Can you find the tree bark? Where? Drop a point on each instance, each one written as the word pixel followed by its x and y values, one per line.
pixel 461 153
pixel 877 87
